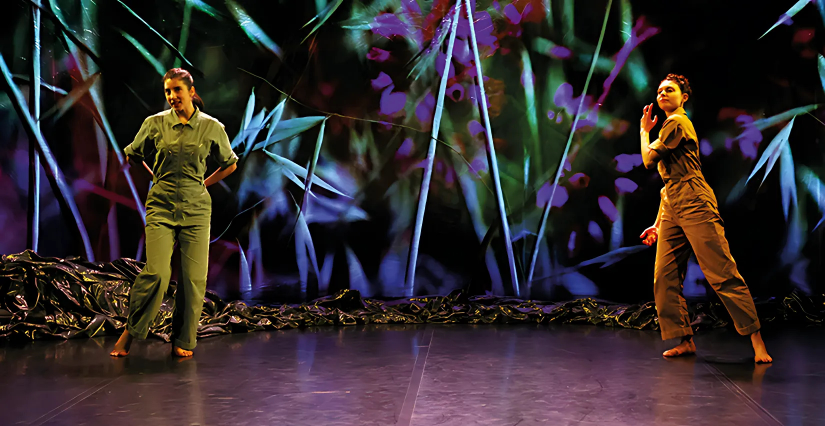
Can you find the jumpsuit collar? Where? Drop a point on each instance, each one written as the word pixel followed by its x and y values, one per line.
pixel 680 111
pixel 173 121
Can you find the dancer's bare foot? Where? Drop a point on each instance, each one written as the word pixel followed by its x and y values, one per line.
pixel 183 353
pixel 122 346
pixel 759 350
pixel 687 347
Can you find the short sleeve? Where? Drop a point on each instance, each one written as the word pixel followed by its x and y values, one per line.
pixel 221 149
pixel 147 133
pixel 669 138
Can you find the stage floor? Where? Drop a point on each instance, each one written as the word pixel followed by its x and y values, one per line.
pixel 419 375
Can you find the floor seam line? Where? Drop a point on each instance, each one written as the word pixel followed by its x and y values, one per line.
pixel 72 402
pixel 410 399
pixel 760 410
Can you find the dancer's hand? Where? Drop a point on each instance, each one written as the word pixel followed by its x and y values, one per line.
pixel 647 122
pixel 650 235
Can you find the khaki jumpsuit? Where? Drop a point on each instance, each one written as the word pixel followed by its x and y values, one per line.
pixel 178 207
pixel 690 219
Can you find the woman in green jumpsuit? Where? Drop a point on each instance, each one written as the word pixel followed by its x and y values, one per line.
pixel 689 219
pixel 178 208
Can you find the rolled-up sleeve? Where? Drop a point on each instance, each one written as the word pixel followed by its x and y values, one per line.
pixel 147 133
pixel 221 149
pixel 669 138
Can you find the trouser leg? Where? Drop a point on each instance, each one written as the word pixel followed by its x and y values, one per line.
pixel 672 254
pixel 194 257
pixel 150 285
pixel 713 254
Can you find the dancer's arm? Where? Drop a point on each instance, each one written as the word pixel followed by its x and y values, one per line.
pixel 145 166
pixel 649 156
pixel 220 174
pixel 661 209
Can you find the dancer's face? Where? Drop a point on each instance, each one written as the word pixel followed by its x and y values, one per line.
pixel 178 95
pixel 669 97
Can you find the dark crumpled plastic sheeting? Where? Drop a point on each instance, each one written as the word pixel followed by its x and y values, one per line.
pixel 46 297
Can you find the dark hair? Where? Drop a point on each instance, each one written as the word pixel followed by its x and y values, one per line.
pixel 681 81
pixel 184 76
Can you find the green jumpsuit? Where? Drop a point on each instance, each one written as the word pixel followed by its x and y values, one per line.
pixel 178 207
pixel 690 219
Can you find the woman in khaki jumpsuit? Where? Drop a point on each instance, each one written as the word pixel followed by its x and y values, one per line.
pixel 689 219
pixel 178 208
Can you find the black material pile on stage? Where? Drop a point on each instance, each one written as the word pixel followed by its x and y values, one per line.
pixel 46 297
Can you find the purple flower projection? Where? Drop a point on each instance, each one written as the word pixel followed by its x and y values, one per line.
pixel 749 139
pixel 608 208
pixel 595 231
pixel 440 61
pixel 405 150
pixel 579 180
pixel 424 110
pixel 392 102
pixel 627 162
pixel 561 52
pixel 571 243
pixel 625 185
pixel 378 55
pixel 705 147
pixel 456 92
pixel 564 98
pixel 544 194
pixel 383 80
pixel 475 128
pixel 484 28
pixel 388 25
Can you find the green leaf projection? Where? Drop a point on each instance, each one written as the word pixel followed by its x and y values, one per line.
pixel 416 147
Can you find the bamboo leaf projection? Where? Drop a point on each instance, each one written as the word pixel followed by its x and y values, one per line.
pixel 322 17
pixel 184 30
pixel 815 188
pixel 787 15
pixel 488 133
pixel 764 123
pixel 26 80
pixel 820 65
pixel 627 20
pixel 275 119
pixel 426 57
pixel 73 97
pixel 52 13
pixel 357 278
pixel 245 278
pixel 288 129
pixel 549 204
pixel 252 30
pixel 821 7
pixel 189 65
pixel 428 168
pixel 154 62
pixel 56 177
pixel 530 98
pixel 773 151
pixel 787 179
pixel 253 129
pixel 304 247
pixel 205 8
pixel 249 112
pixel 294 171
pixel 33 215
pixel 311 171
pixel 102 121
pixel 613 257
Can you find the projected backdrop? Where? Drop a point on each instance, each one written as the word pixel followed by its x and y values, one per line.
pixel 342 97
